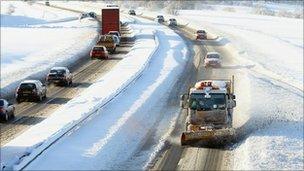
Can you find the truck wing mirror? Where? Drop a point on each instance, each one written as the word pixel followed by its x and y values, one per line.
pixel 231 104
pixel 233 96
pixel 184 101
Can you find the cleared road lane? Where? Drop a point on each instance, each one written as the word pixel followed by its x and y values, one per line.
pixel 198 158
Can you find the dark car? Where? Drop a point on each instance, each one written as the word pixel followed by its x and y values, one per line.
pixel 92 14
pixel 31 90
pixel 131 12
pixel 172 22
pixel 60 75
pixel 7 110
pixel 201 34
pixel 47 3
pixel 83 15
pixel 160 19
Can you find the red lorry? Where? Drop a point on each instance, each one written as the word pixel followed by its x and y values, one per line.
pixel 110 20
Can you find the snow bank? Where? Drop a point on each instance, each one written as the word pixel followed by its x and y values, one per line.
pixel 21 150
pixel 48 37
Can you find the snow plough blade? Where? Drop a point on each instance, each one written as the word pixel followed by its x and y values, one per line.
pixel 189 137
pixel 207 137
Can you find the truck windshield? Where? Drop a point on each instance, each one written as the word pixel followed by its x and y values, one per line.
pixel 1 103
pixel 199 102
pixel 213 56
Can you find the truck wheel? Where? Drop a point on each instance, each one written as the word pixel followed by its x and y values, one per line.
pixel 5 118
pixel 18 100
pixel 40 98
pixel 13 115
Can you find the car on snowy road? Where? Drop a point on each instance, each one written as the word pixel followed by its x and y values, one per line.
pixel 116 33
pixel 100 52
pixel 212 59
pixel 172 22
pixel 83 15
pixel 131 12
pixel 109 41
pixel 60 75
pixel 92 15
pixel 160 19
pixel 7 110
pixel 201 34
pixel 30 90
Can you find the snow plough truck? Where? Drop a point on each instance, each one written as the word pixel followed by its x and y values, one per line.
pixel 209 106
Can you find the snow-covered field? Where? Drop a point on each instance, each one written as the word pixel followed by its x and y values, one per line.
pixel 35 38
pixel 272 111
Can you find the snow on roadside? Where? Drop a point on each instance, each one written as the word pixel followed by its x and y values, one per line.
pixel 20 150
pixel 260 39
pixel 35 38
pixel 14 13
pixel 122 125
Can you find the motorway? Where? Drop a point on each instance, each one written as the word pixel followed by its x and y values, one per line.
pixel 174 156
pixel 85 71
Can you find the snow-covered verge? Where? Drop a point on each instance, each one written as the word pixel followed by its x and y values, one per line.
pixel 269 56
pixel 22 149
pixel 113 135
pixel 279 8
pixel 35 38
